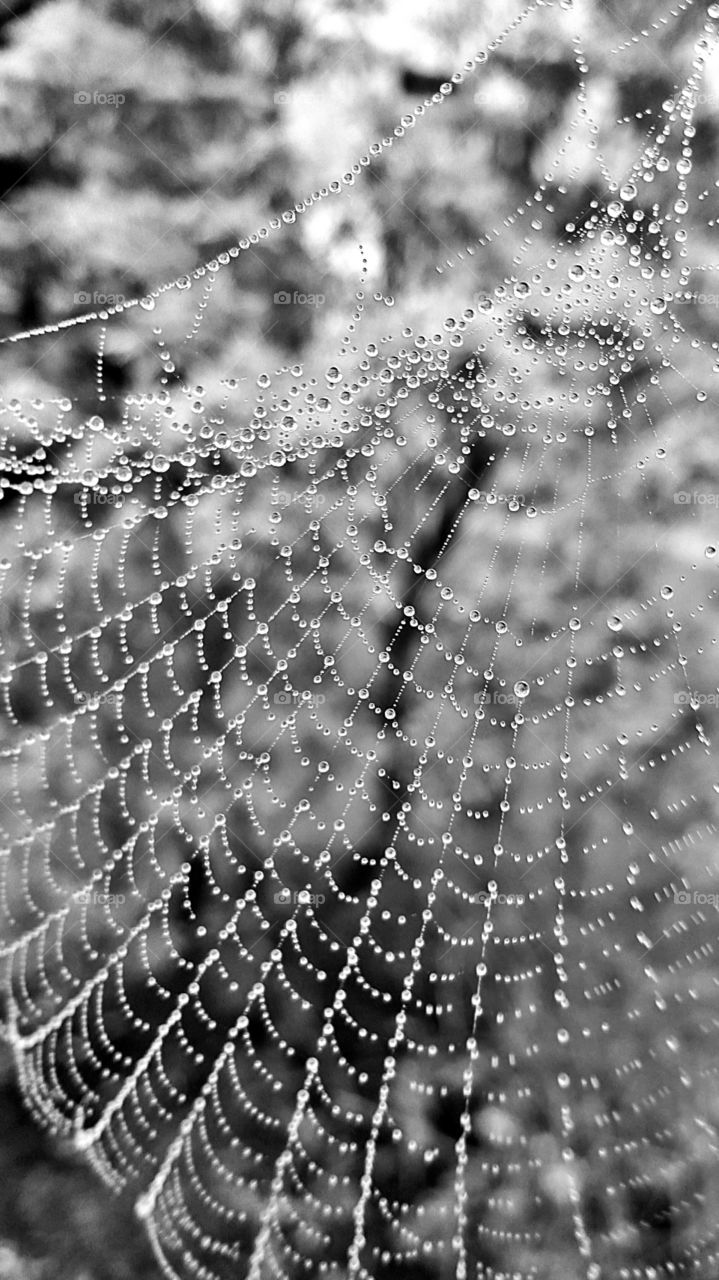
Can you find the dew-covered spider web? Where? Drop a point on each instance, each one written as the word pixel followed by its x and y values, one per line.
pixel 357 906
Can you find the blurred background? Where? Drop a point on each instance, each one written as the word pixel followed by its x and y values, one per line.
pixel 140 139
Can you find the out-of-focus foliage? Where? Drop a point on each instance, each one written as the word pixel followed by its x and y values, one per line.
pixel 140 138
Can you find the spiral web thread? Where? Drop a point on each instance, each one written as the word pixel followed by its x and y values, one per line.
pixel 317 804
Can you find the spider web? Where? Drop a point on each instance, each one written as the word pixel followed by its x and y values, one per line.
pixel 347 859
